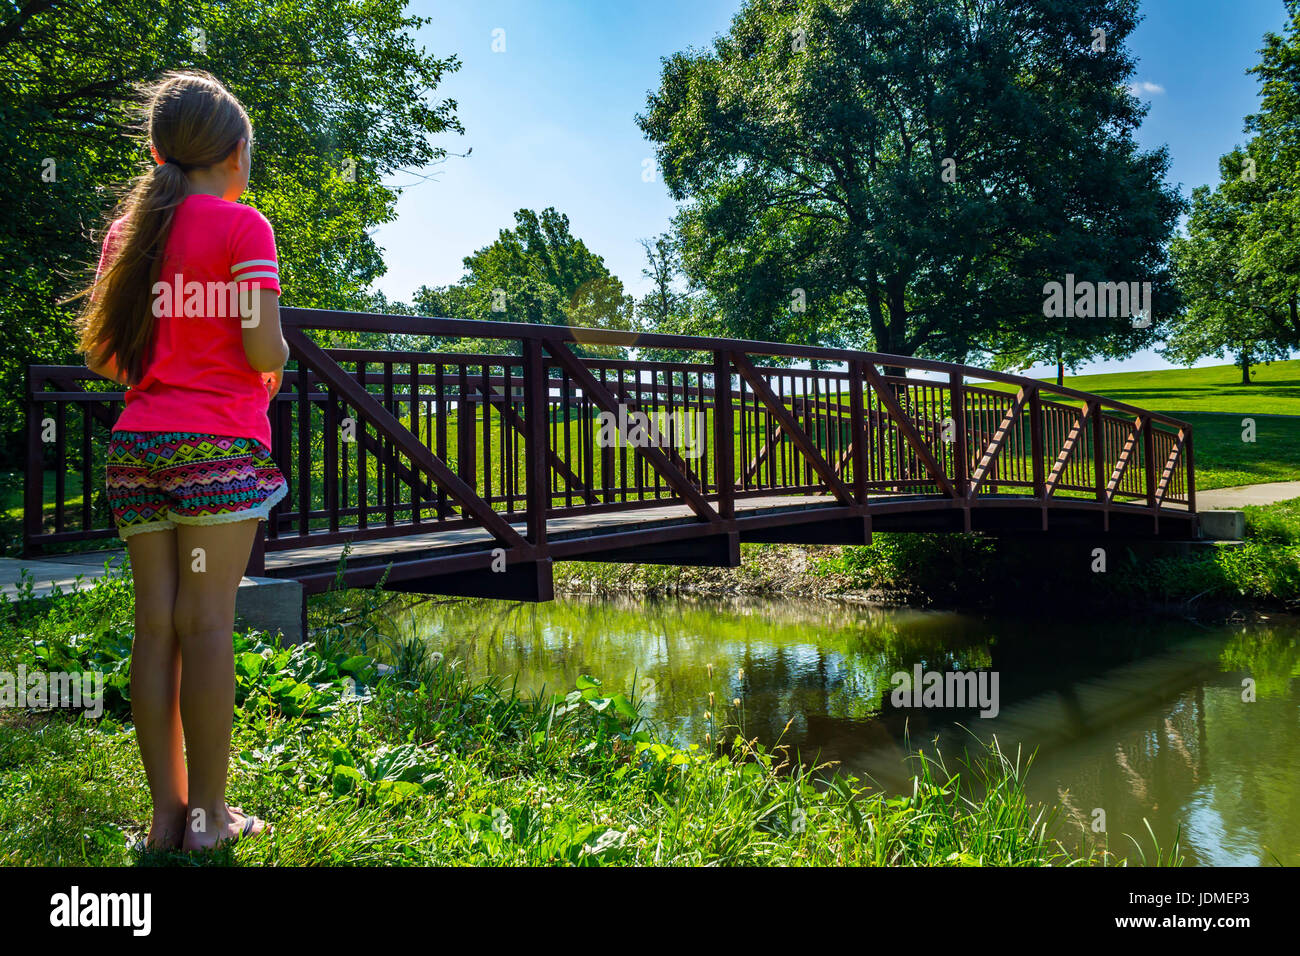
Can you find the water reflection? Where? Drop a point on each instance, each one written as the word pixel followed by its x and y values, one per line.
pixel 1140 718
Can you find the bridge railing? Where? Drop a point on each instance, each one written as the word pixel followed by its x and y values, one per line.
pixel 382 442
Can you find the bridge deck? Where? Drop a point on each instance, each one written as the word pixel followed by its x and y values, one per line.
pixel 586 529
pixel 572 528
pixel 667 533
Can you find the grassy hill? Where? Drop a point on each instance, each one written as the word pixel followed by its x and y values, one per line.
pixel 1214 402
pixel 1217 388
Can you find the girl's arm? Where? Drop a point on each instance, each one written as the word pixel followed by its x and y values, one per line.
pixel 107 368
pixel 264 344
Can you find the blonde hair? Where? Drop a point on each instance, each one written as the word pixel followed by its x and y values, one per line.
pixel 193 122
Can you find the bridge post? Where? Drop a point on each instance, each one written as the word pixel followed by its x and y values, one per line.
pixel 257 556
pixel 1099 459
pixel 1036 440
pixel 859 432
pixel 1036 448
pixel 33 482
pixel 961 444
pixel 961 449
pixel 723 436
pixel 1148 466
pixel 537 477
pixel 1148 459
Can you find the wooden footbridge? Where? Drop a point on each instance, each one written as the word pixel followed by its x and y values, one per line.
pixel 468 474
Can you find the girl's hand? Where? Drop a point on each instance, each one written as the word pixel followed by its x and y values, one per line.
pixel 273 382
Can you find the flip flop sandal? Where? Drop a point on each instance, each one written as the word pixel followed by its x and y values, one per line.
pixel 250 822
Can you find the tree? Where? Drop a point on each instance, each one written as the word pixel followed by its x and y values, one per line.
pixel 908 174
pixel 673 306
pixel 660 309
pixel 1229 307
pixel 1238 266
pixel 538 273
pixel 339 96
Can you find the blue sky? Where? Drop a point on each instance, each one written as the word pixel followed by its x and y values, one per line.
pixel 552 118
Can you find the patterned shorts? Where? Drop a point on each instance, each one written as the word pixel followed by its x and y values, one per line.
pixel 157 480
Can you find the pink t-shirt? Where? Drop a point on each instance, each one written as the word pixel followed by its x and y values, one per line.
pixel 197 378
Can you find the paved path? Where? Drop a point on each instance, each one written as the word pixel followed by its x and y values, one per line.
pixel 1230 499
pixel 59 571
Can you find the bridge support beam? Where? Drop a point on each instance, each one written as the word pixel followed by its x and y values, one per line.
pixel 711 551
pixel 833 531
pixel 526 581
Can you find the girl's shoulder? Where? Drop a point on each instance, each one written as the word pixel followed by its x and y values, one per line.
pixel 233 212
pixel 220 227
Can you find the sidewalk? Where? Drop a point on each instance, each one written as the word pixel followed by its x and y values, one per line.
pixel 268 603
pixel 1230 499
pixel 59 571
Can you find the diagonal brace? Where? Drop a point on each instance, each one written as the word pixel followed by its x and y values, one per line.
pixel 791 428
pixel 329 371
pixel 602 397
pixel 907 429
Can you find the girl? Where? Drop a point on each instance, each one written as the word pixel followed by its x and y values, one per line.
pixel 184 310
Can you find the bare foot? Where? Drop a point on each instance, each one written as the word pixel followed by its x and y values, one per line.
pixel 206 831
pixel 166 831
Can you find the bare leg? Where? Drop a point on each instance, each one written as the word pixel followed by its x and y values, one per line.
pixel 155 683
pixel 210 561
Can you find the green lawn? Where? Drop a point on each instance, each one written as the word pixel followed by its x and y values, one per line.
pixel 1223 459
pixel 1275 389
pixel 1214 402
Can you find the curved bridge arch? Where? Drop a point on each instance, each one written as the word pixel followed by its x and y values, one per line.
pixel 468 473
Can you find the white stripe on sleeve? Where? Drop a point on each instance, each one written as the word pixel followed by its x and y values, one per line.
pixel 252 262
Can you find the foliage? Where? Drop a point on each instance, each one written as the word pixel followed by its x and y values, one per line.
pixel 808 148
pixel 1265 568
pixel 1228 308
pixel 1239 263
pixel 539 273
pixel 938 566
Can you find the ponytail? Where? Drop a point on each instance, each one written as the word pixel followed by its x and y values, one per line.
pixel 192 122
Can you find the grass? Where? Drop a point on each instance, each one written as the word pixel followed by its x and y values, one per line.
pixel 1214 402
pixel 425 765
pixel 1275 389
pixel 1224 459
pixel 1274 524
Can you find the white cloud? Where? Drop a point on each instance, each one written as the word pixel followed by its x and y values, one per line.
pixel 1147 87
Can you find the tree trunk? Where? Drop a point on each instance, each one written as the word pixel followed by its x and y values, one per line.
pixel 1245 367
pixel 1060 373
